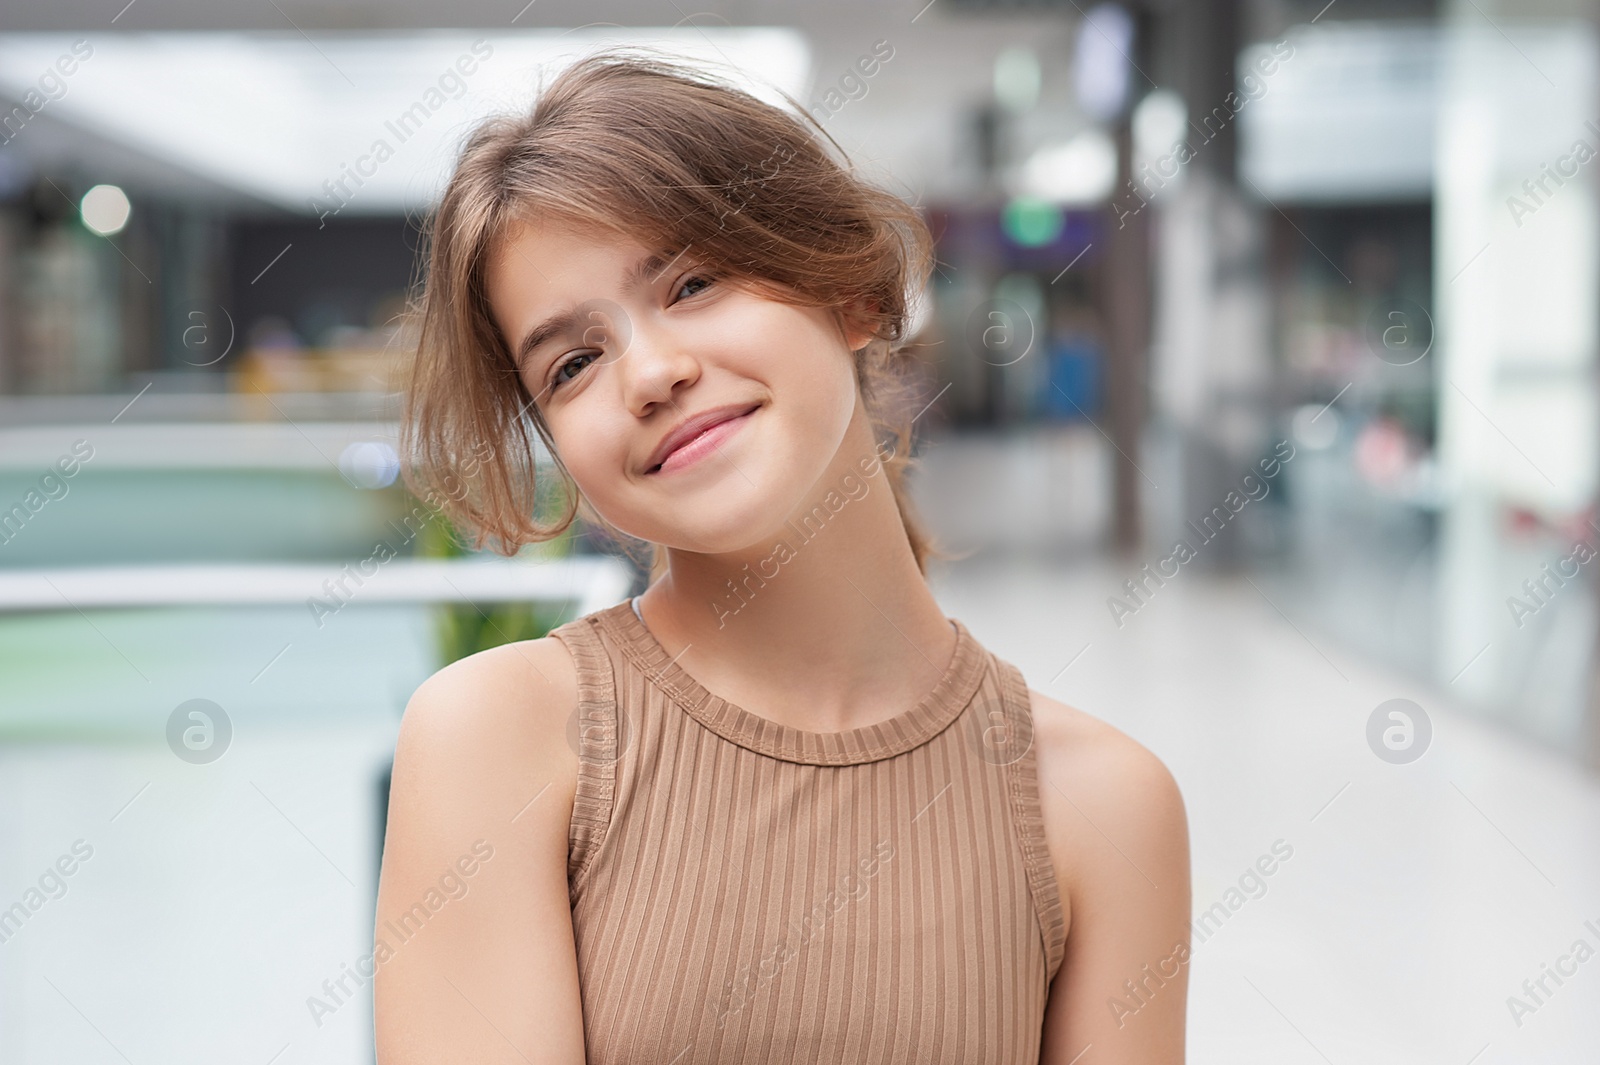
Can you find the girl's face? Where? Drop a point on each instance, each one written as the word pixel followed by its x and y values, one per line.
pixel 650 344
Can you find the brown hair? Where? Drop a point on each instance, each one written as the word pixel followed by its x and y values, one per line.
pixel 669 155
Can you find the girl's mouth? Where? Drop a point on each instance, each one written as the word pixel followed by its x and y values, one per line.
pixel 699 436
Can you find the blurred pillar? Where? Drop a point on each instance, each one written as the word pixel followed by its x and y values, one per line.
pixel 1127 309
pixel 1210 364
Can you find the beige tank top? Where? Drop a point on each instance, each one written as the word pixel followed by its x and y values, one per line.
pixel 743 891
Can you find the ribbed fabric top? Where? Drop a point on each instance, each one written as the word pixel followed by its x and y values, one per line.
pixel 747 891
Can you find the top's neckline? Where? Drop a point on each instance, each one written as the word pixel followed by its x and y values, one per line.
pixel 870 743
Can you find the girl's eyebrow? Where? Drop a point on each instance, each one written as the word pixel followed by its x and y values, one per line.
pixel 564 321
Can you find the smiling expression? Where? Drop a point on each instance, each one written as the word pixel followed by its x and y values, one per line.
pixel 691 410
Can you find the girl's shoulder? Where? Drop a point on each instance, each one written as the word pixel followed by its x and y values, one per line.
pixel 1083 746
pixel 1101 792
pixel 493 724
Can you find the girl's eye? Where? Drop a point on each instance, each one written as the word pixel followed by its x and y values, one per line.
pixel 703 279
pixel 560 374
pixel 568 370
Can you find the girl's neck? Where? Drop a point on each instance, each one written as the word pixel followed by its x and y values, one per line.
pixel 828 627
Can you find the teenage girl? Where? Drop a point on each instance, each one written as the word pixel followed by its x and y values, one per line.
pixel 779 807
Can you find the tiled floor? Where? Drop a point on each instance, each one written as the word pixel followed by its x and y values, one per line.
pixel 1419 897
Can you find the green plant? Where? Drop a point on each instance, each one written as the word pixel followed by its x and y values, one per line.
pixel 465 628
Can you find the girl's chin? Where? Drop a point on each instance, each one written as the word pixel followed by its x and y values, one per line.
pixel 730 532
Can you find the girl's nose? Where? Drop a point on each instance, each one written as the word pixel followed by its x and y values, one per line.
pixel 653 365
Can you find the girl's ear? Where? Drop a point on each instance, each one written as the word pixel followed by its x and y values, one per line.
pixel 855 323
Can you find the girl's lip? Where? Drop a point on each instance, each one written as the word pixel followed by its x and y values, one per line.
pixel 703 443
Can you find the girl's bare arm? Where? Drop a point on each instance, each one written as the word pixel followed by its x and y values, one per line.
pixel 472 899
pixel 1118 834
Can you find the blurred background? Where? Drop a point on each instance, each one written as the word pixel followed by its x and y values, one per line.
pixel 1261 385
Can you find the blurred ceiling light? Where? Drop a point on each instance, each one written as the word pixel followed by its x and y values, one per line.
pixel 1080 172
pixel 105 209
pixel 279 120
pixel 1160 121
pixel 1101 62
pixel 1017 78
pixel 1032 222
